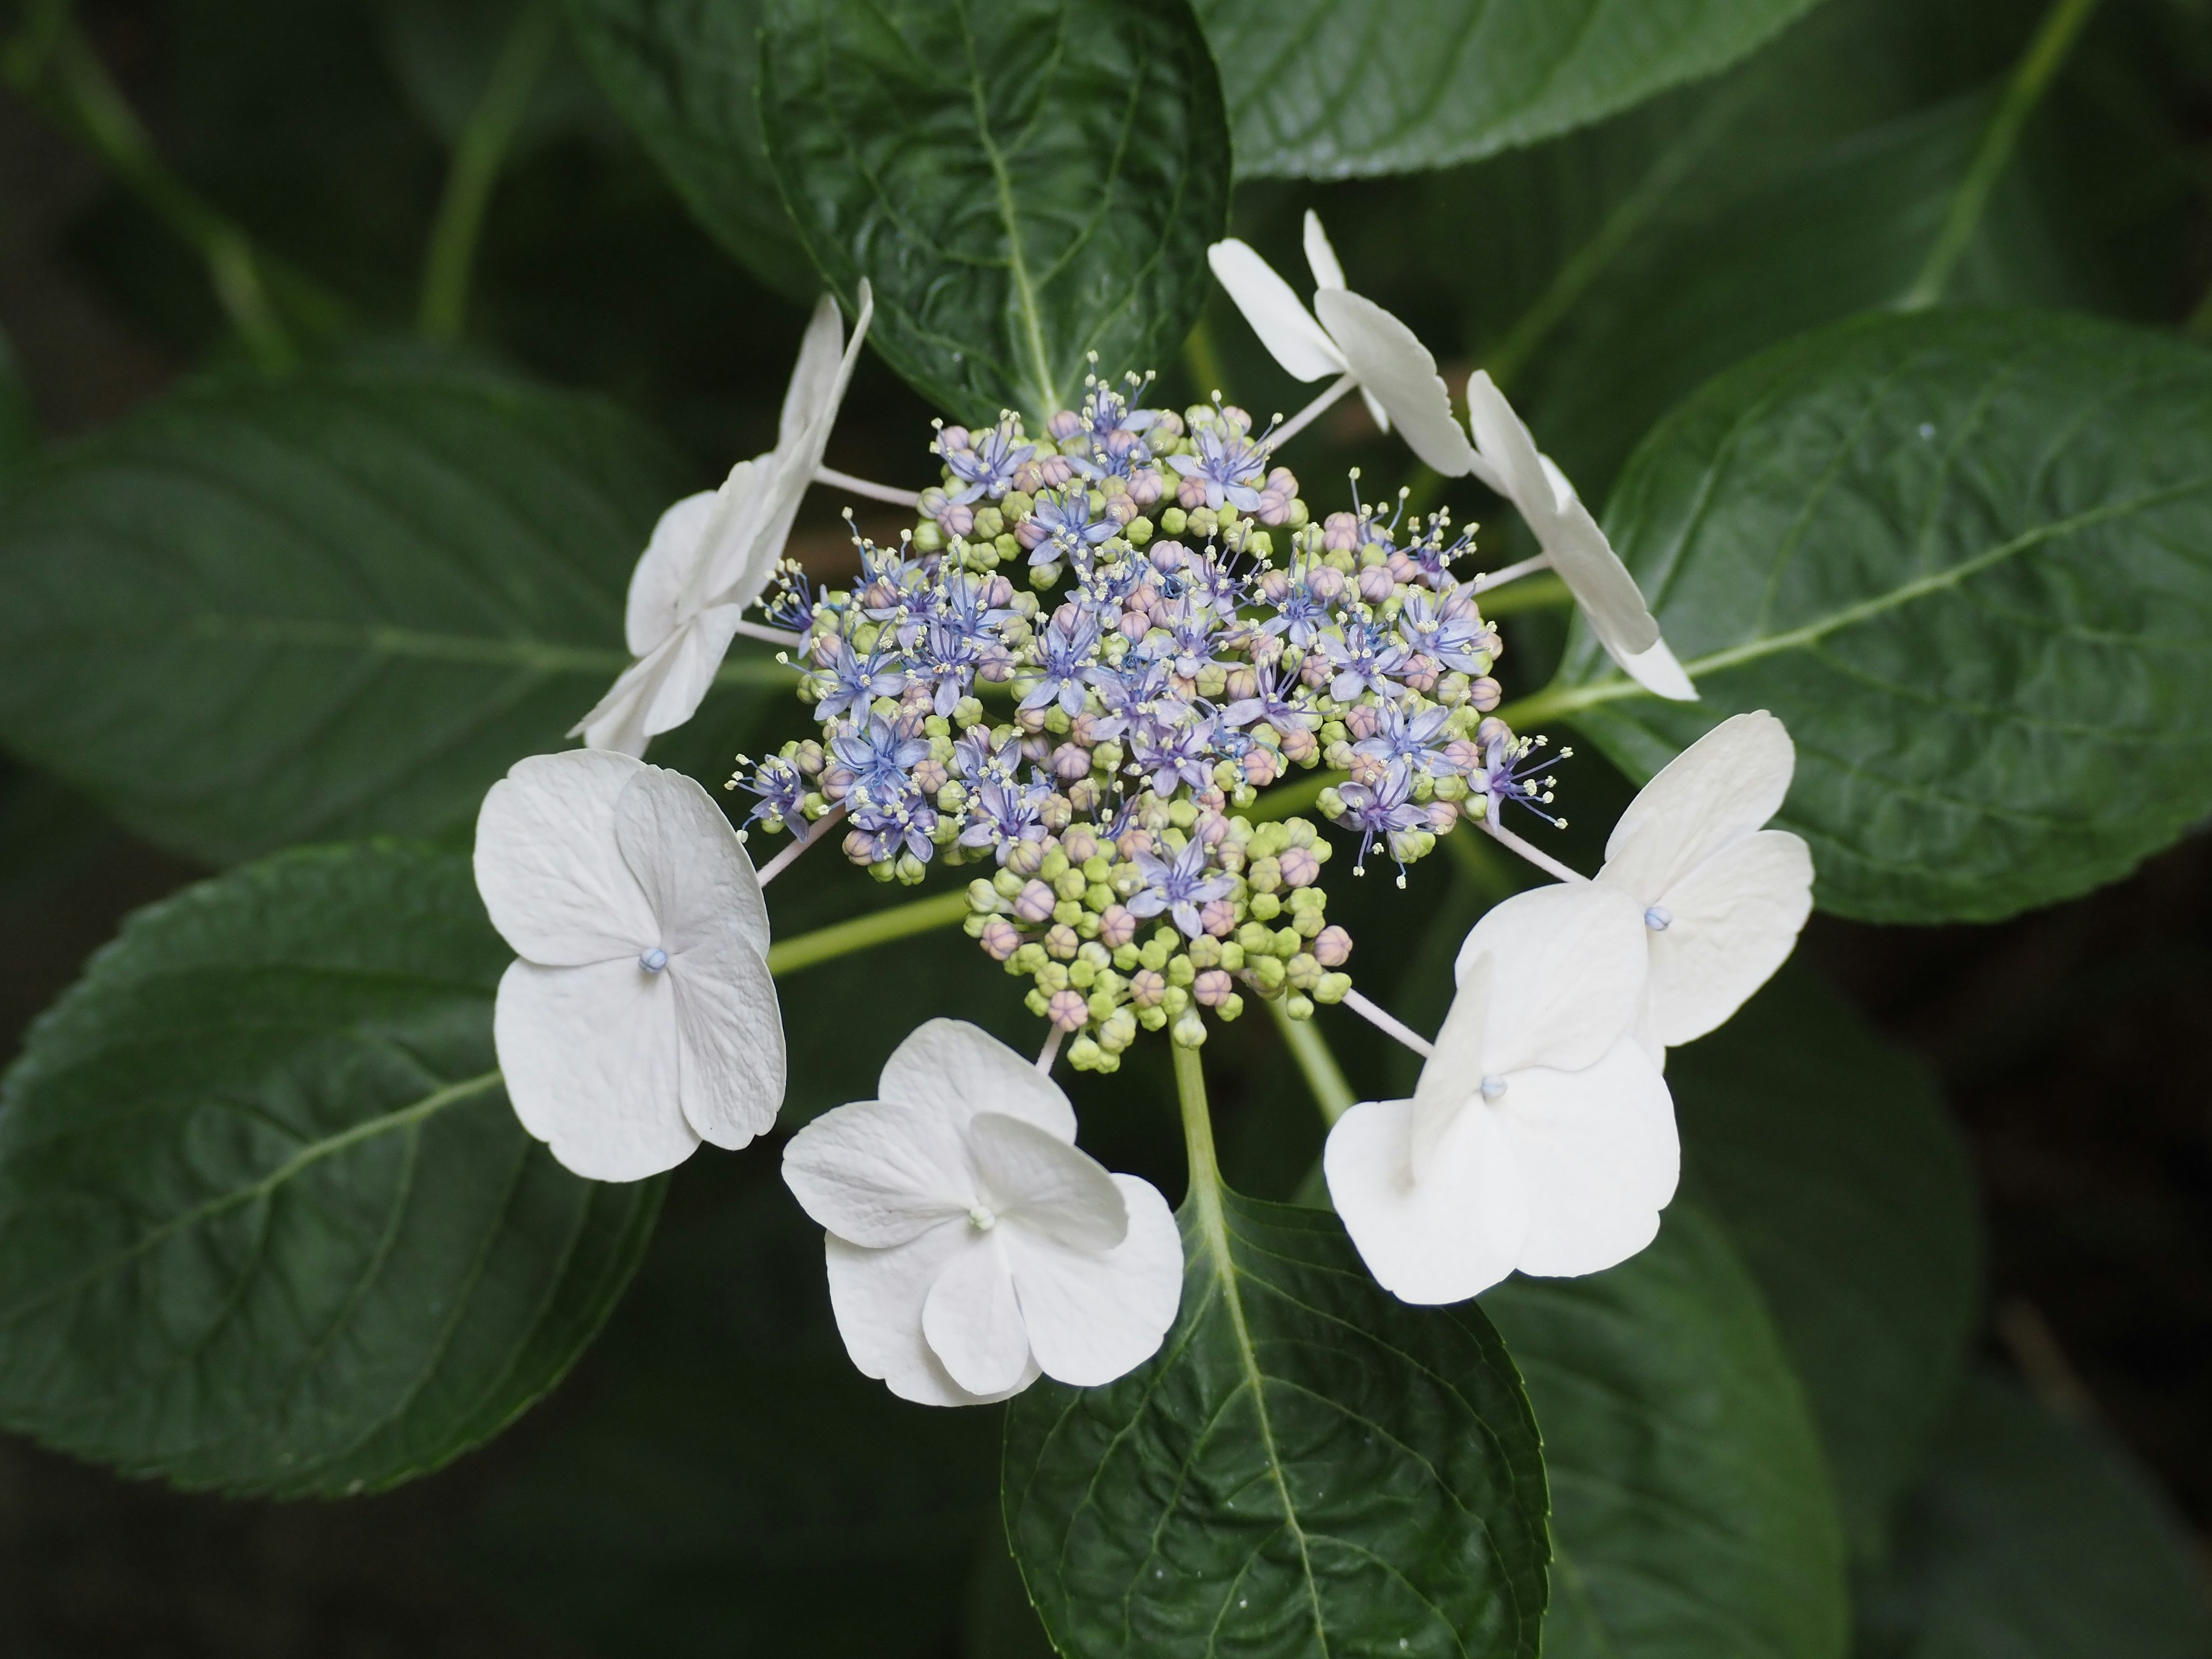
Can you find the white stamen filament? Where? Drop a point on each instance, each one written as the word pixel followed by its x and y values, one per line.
pixel 1536 855
pixel 1388 1024
pixel 1491 579
pixel 1312 412
pixel 874 492
pixel 783 860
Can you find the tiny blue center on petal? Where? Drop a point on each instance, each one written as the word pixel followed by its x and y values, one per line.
pixel 1493 1087
pixel 654 960
pixel 1658 919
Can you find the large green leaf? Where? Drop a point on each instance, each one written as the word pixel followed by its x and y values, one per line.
pixel 2033 1538
pixel 1318 89
pixel 267 1221
pixel 341 604
pixel 18 420
pixel 1966 556
pixel 683 73
pixel 1846 1189
pixel 1692 1518
pixel 1024 182
pixel 1309 1468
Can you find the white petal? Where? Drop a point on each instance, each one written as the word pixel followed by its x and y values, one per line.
pixel 1444 1236
pixel 1391 363
pixel 1571 968
pixel 954 1070
pixel 732 1030
pixel 1507 448
pixel 1733 921
pixel 877 1297
pixel 548 866
pixel 689 864
pixel 656 586
pixel 617 721
pixel 973 1322
pixel 881 1172
pixel 1723 787
pixel 1598 1150
pixel 1454 1070
pixel 590 1059
pixel 687 666
pixel 1320 257
pixel 1093 1317
pixel 813 386
pixel 1284 326
pixel 1376 408
pixel 726 539
pixel 1656 671
pixel 1032 1177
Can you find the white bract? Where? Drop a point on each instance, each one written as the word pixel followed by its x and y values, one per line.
pixel 640 1019
pixel 712 555
pixel 1353 335
pixel 971 1246
pixel 1540 1136
pixel 1722 900
pixel 1508 461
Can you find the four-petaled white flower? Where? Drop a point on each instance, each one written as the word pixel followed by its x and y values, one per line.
pixel 640 1019
pixel 1540 1136
pixel 971 1246
pixel 712 555
pixel 1722 899
pixel 1353 335
pixel 1508 461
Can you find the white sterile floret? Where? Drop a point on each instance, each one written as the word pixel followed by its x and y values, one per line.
pixel 1722 899
pixel 971 1246
pixel 1397 374
pixel 640 1019
pixel 1509 462
pixel 1540 1136
pixel 712 555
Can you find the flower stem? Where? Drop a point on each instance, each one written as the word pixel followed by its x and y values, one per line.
pixel 1389 1025
pixel 1198 1138
pixel 1312 412
pixel 1050 1052
pixel 782 636
pixel 1536 855
pixel 864 933
pixel 783 860
pixel 477 159
pixel 846 481
pixel 1331 1092
pixel 1491 579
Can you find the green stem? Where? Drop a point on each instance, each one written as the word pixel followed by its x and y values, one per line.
pixel 477 159
pixel 1332 1091
pixel 862 933
pixel 2038 66
pixel 1198 1139
pixel 1541 591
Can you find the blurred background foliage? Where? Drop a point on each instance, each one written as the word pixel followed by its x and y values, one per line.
pixel 714 1479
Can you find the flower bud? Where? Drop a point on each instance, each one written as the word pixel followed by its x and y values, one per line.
pixel 1071 762
pixel 1217 916
pixel 1212 989
pixel 1067 1010
pixel 1001 938
pixel 1332 947
pixel 1147 986
pixel 1484 694
pixel 1035 904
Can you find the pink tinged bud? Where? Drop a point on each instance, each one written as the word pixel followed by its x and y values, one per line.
pixel 1275 586
pixel 1000 593
pixel 1064 425
pixel 1492 731
pixel 931 777
pixel 1325 584
pixel 1340 532
pixel 1190 495
pixel 1442 815
pixel 824 650
pixel 1283 481
pixel 1146 486
pixel 1212 989
pixel 1134 842
pixel 1121 508
pixel 1034 903
pixel 1274 509
pixel 1368 769
pixel 1422 674
pixel 951 438
pixel 1071 762
pixel 1362 720
pixel 958 520
pixel 1056 470
pixel 1117 926
pixel 1081 844
pixel 1219 917
pixel 1147 987
pixel 1463 755
pixel 1029 477
pixel 1332 947
pixel 1134 625
pixel 1067 1010
pixel 1299 866
pixel 1242 682
pixel 835 782
pixel 1301 746
pixel 1028 533
pixel 1314 671
pixel 1025 858
pixel 1001 938
pixel 1484 694
pixel 1262 767
pixel 1402 567
pixel 1210 799
pixel 1083 795
pixel 1212 829
pixel 931 502
pixel 1165 556
pixel 1376 585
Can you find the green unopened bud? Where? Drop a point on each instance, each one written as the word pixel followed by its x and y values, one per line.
pixel 1332 987
pixel 1190 1030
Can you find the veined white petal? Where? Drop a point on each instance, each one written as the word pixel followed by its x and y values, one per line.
pixel 548 865
pixel 877 1297
pixel 689 662
pixel 1320 257
pixel 813 386
pixel 1441 1233
pixel 1732 921
pixel 656 586
pixel 1032 1178
pixel 972 1324
pixel 882 1172
pixel 688 861
pixel 1092 1317
pixel 1453 1073
pixel 1723 787
pixel 1392 363
pixel 731 1028
pixel 954 1070
pixel 1570 968
pixel 1598 1150
pixel 617 721
pixel 1284 326
pixel 591 1057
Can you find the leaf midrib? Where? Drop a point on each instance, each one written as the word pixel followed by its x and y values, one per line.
pixel 1016 256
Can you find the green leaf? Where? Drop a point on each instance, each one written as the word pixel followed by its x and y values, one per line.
pixel 1023 181
pixel 1966 556
pixel 1691 1514
pixel 443 53
pixel 1846 1189
pixel 1317 89
pixel 732 1485
pixel 18 420
pixel 267 1221
pixel 341 604
pixel 682 74
pixel 2034 1537
pixel 1309 1468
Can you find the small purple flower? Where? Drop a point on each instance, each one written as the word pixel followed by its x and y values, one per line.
pixel 1179 885
pixel 1366 660
pixel 986 466
pixel 1418 740
pixel 781 787
pixel 1269 703
pixel 1066 651
pixel 1004 814
pixel 855 683
pixel 1061 526
pixel 1383 808
pixel 1230 465
pixel 1173 745
pixel 1447 628
pixel 879 755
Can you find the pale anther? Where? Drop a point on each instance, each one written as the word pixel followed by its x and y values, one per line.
pixel 1658 919
pixel 654 960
